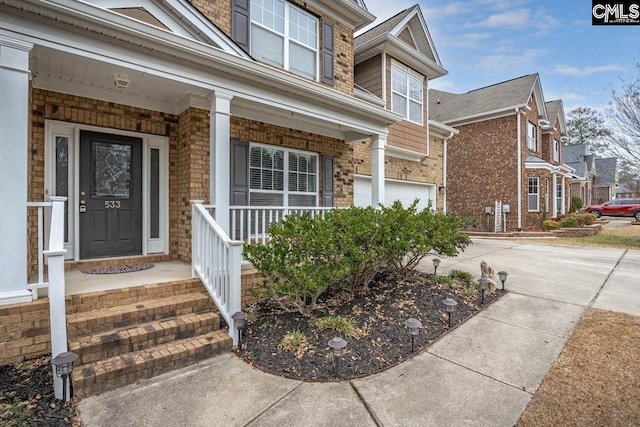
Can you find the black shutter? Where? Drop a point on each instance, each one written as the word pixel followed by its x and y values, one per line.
pixel 240 22
pixel 239 179
pixel 327 53
pixel 327 181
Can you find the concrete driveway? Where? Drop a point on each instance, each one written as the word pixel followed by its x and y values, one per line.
pixel 482 374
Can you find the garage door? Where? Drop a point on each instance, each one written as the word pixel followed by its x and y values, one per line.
pixel 406 192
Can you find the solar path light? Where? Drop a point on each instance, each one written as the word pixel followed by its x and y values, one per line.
pixel 413 327
pixel 450 305
pixel 337 346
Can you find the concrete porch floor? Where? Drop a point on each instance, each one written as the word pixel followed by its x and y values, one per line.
pixel 78 282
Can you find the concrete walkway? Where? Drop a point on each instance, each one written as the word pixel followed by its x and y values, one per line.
pixel 482 374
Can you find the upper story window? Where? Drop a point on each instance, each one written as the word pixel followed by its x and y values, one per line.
pixel 556 150
pixel 285 36
pixel 531 136
pixel 406 95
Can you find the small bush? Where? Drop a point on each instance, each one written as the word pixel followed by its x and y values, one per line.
pixel 336 323
pixel 589 219
pixel 296 342
pixel 581 220
pixel 550 224
pixel 472 289
pixel 576 204
pixel 460 275
pixel 569 222
pixel 444 280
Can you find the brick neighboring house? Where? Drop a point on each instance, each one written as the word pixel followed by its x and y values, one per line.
pixel 509 149
pixel 627 190
pixel 395 61
pixel 606 179
pixel 585 172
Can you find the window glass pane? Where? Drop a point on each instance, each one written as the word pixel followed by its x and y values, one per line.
pixel 533 202
pixel 111 170
pixel 267 46
pixel 302 60
pixel 415 89
pixel 415 112
pixel 297 199
pixel 154 193
pixel 303 28
pixel 399 104
pixel 62 177
pixel 269 13
pixel 266 199
pixel 398 81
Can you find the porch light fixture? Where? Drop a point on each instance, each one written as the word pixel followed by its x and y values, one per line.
pixel 121 82
pixel 413 327
pixel 337 346
pixel 63 366
pixel 239 320
pixel 436 263
pixel 450 305
pixel 442 189
pixel 503 277
pixel 484 284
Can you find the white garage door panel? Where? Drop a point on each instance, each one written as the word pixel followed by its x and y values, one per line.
pixel 394 190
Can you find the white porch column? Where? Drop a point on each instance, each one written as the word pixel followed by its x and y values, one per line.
pixel 377 169
pixel 219 158
pixel 554 194
pixel 14 146
pixel 564 200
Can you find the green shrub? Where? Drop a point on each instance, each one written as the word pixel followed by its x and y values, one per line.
pixel 576 204
pixel 569 222
pixel 550 224
pixel 589 218
pixel 580 220
pixel 472 289
pixel 298 263
pixel 460 275
pixel 336 323
pixel 444 280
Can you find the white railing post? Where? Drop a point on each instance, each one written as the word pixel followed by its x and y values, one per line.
pixel 235 277
pixel 57 309
pixel 195 234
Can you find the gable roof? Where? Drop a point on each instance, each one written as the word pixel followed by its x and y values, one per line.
pixel 607 169
pixel 502 97
pixel 406 37
pixel 575 153
pixel 580 167
pixel 555 111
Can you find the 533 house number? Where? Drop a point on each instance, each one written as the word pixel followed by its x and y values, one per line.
pixel 112 204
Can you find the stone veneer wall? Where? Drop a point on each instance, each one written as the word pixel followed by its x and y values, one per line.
pixel 219 13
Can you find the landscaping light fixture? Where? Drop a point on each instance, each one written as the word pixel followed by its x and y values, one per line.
pixel 436 263
pixel 503 277
pixel 239 320
pixel 63 365
pixel 484 284
pixel 450 305
pixel 413 326
pixel 337 346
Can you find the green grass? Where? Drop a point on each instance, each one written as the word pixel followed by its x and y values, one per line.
pixel 611 237
pixel 336 323
pixel 460 275
pixel 296 342
pixel 444 280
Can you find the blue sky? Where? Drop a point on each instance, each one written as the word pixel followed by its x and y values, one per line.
pixel 482 42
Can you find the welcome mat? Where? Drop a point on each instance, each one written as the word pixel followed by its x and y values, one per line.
pixel 117 269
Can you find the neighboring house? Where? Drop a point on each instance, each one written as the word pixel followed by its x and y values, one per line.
pixel 134 108
pixel 584 176
pixel 606 180
pixel 395 61
pixel 509 150
pixel 626 191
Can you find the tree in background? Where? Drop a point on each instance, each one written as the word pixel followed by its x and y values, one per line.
pixel 624 116
pixel 629 176
pixel 586 126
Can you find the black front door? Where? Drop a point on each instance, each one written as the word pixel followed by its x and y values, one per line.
pixel 110 195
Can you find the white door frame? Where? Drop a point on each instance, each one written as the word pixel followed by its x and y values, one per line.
pixel 71 131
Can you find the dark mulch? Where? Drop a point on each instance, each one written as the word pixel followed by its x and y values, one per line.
pixel 378 315
pixel 26 396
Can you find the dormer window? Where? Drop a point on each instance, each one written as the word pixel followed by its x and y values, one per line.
pixel 531 136
pixel 285 36
pixel 406 94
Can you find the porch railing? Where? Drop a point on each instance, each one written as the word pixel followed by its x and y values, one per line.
pixel 43 209
pixel 216 260
pixel 250 223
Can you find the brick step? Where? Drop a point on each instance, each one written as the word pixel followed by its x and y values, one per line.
pixel 118 371
pixel 104 319
pixel 115 297
pixel 116 342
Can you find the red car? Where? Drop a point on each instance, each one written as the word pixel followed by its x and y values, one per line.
pixel 618 207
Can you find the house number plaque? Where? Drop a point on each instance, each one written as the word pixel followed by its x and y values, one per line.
pixel 112 204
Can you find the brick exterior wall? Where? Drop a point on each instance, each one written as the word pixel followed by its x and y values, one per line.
pixel 405 134
pixel 219 13
pixel 368 75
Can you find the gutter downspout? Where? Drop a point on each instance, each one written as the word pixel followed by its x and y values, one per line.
pixel 519 170
pixel 444 171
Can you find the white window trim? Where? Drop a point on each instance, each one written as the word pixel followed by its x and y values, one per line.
pixel 556 150
pixel 72 131
pixel 288 40
pixel 409 72
pixel 532 141
pixel 286 192
pixel 537 194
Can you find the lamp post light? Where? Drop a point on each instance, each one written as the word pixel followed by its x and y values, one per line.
pixel 436 263
pixel 484 284
pixel 413 326
pixel 503 277
pixel 63 365
pixel 337 346
pixel 450 305
pixel 240 321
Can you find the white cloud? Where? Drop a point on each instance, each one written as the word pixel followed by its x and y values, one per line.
pixel 564 96
pixel 466 40
pixel 568 70
pixel 515 61
pixel 442 84
pixel 513 19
